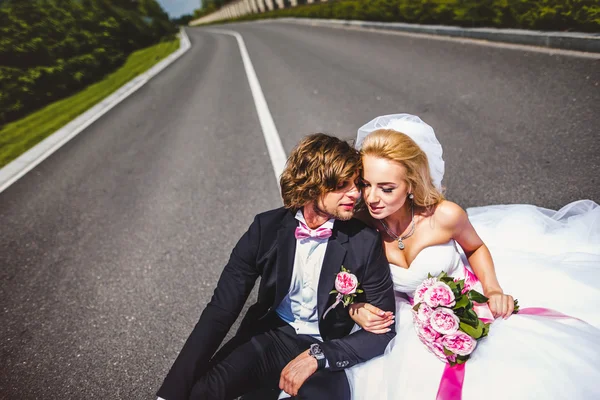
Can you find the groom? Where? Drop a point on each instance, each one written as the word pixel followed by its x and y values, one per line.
pixel 287 340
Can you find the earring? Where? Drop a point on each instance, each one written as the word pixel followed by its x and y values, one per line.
pixel 410 196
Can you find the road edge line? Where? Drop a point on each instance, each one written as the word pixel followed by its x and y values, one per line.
pixel 27 161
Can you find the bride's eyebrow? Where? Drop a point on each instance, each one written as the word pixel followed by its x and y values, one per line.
pixel 379 183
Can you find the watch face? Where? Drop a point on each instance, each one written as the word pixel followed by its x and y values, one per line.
pixel 315 349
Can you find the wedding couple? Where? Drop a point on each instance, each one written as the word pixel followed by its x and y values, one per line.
pixel 299 339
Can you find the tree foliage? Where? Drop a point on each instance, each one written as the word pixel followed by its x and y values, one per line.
pixel 558 15
pixel 183 20
pixel 51 48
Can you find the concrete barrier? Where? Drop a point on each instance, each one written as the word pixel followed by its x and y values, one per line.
pixel 576 41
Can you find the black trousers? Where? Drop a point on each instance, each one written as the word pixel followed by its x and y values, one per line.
pixel 243 366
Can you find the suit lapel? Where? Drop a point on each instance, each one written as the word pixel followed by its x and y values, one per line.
pixel 286 250
pixel 332 264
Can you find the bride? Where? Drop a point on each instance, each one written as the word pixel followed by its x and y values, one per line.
pixel 545 258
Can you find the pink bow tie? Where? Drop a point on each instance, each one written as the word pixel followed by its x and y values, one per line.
pixel 304 232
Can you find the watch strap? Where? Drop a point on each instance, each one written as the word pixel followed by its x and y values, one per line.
pixel 318 355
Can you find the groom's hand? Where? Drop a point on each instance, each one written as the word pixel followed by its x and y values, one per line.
pixel 297 372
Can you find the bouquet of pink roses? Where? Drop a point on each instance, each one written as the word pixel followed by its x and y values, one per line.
pixel 445 320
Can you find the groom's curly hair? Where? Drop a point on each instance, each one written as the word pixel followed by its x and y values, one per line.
pixel 319 164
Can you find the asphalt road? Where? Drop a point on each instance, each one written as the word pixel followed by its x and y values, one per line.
pixel 110 248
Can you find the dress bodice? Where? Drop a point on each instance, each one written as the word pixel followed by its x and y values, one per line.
pixel 431 260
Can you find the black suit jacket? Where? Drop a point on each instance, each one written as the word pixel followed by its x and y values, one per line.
pixel 267 250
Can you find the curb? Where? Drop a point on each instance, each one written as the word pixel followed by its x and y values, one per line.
pixel 14 170
pixel 575 41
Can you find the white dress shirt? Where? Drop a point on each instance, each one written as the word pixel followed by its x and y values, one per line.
pixel 299 307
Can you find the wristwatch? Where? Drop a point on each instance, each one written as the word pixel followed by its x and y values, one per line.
pixel 316 352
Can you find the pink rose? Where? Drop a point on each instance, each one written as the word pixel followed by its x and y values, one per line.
pixel 422 288
pixel 444 321
pixel 459 343
pixel 438 350
pixel 426 333
pixel 424 313
pixel 346 283
pixel 439 294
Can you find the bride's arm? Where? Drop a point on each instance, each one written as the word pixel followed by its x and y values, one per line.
pixel 453 218
pixel 371 318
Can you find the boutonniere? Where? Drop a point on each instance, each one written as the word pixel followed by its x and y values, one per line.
pixel 346 287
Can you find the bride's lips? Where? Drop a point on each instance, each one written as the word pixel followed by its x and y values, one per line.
pixel 376 210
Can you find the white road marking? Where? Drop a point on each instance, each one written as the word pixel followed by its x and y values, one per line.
pixel 276 152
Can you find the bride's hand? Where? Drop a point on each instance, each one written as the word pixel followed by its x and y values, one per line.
pixel 371 318
pixel 501 305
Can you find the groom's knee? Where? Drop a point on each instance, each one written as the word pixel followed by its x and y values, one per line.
pixel 325 385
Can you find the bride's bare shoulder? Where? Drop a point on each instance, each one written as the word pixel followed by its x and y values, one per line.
pixel 449 214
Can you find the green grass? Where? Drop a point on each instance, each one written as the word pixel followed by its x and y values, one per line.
pixel 19 136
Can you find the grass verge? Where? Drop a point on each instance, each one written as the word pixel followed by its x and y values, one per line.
pixel 19 136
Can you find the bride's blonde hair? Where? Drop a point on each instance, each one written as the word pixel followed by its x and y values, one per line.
pixel 398 147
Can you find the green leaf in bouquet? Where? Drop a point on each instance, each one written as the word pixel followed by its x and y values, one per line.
pixel 468 321
pixel 416 307
pixel 486 329
pixel 472 314
pixel 454 288
pixel 477 297
pixel 462 359
pixel 468 316
pixel 447 280
pixel 516 310
pixel 471 317
pixel 360 291
pixel 429 276
pixel 474 332
pixel 333 291
pixel 448 352
pixel 460 285
pixel 462 302
pixel 442 275
pixel 470 305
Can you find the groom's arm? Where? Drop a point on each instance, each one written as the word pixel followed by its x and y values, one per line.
pixel 234 286
pixel 361 346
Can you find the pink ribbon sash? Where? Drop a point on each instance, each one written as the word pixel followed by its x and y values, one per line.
pixel 453 378
pixel 452 383
pixel 546 312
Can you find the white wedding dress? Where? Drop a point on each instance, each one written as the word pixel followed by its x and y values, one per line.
pixel 543 258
